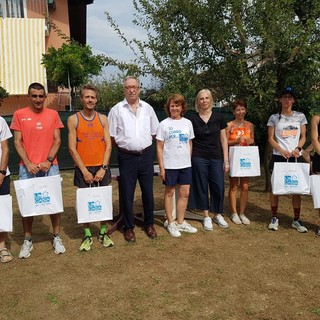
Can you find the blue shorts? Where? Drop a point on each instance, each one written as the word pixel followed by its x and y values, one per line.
pixel 25 174
pixel 178 176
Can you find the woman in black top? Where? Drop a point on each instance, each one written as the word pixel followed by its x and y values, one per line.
pixel 209 161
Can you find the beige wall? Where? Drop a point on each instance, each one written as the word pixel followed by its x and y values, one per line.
pixel 60 17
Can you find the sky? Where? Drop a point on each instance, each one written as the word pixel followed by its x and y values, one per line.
pixel 101 36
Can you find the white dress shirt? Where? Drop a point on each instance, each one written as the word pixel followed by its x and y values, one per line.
pixel 133 130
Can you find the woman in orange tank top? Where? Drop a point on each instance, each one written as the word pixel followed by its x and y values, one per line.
pixel 240 133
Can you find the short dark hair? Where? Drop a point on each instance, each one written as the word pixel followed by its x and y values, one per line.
pixel 239 102
pixel 178 99
pixel 88 87
pixel 36 86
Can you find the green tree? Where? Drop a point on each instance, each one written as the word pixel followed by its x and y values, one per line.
pixel 237 48
pixel 3 94
pixel 71 65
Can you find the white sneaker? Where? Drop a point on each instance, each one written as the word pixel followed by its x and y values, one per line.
pixel 172 229
pixel 235 218
pixel 58 245
pixel 274 224
pixel 207 223
pixel 165 224
pixel 26 249
pixel 299 226
pixel 185 227
pixel 244 219
pixel 219 219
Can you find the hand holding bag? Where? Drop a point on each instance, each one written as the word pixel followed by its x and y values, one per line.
pixel 94 204
pixel 6 213
pixel 290 178
pixel 39 196
pixel 244 161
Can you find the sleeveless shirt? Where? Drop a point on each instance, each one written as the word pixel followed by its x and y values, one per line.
pixel 90 140
pixel 244 131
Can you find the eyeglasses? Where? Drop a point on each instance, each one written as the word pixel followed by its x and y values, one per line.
pixel 131 87
pixel 287 97
pixel 35 96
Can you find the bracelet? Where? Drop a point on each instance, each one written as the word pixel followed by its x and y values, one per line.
pixel 299 148
pixel 225 162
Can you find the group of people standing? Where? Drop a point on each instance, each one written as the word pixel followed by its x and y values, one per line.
pixel 192 155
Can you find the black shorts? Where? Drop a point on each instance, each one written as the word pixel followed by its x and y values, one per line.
pixel 316 163
pixel 277 158
pixel 80 182
pixel 5 187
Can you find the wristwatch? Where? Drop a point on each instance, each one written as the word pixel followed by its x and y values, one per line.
pixel 105 166
pixel 4 172
pixel 299 148
pixel 50 159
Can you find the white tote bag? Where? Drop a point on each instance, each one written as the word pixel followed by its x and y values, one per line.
pixel 315 190
pixel 39 196
pixel 94 204
pixel 244 161
pixel 290 178
pixel 6 213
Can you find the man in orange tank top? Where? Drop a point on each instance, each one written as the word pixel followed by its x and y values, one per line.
pixel 90 148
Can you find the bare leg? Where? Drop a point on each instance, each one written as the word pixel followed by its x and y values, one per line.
pixel 244 187
pixel 233 194
pixel 27 226
pixel 168 202
pixel 182 202
pixel 55 220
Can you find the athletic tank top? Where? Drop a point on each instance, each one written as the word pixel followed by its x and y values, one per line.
pixel 244 131
pixel 90 140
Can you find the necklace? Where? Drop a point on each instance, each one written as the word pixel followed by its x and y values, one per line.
pixel 205 117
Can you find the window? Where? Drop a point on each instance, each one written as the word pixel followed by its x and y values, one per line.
pixel 12 8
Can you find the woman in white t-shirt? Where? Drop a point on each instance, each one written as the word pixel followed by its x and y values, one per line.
pixel 286 135
pixel 174 147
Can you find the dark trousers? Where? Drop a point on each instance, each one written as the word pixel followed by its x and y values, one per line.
pixel 207 175
pixel 135 168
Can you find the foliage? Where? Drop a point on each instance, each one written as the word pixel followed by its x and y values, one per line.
pixel 71 61
pixel 238 48
pixel 3 94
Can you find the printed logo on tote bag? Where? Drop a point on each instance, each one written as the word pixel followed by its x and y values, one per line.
pixel 94 207
pixel 245 163
pixel 291 181
pixel 41 198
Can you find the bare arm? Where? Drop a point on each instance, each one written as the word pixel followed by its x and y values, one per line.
pixel 4 159
pixel 314 133
pixel 72 143
pixel 224 145
pixel 160 145
pixel 31 167
pixel 106 157
pixel 45 165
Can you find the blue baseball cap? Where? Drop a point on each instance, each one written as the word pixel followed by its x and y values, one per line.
pixel 289 90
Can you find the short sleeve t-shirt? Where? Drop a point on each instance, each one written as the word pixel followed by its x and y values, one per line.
pixel 176 135
pixel 207 143
pixel 287 129
pixel 37 130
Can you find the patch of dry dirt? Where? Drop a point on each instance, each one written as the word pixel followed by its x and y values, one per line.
pixel 243 272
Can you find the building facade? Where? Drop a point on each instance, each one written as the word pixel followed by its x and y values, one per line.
pixel 25 35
